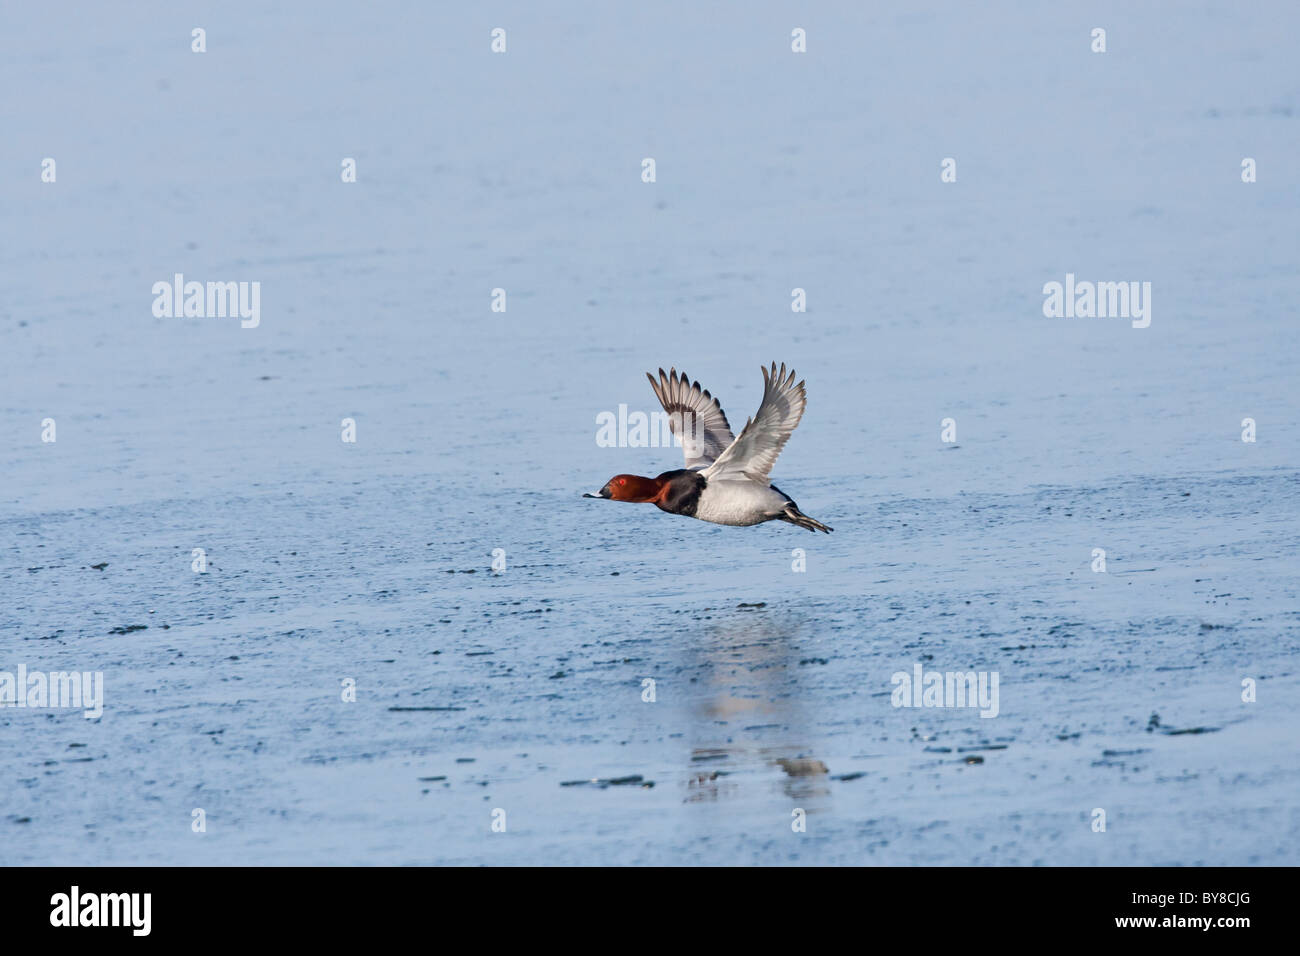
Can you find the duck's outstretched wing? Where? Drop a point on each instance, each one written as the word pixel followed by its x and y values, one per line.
pixel 753 454
pixel 694 416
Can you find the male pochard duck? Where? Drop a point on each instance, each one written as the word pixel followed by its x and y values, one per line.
pixel 725 479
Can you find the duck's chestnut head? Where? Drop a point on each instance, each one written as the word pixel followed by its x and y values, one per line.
pixel 628 488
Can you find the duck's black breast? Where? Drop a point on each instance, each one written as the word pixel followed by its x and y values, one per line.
pixel 683 494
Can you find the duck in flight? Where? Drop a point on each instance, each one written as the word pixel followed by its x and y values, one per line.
pixel 726 478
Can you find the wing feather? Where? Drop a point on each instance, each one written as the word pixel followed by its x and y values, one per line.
pixel 753 454
pixel 694 416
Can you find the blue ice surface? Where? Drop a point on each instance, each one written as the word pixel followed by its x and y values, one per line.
pixel 476 431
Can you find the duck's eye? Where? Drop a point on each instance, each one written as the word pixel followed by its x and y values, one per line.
pixel 622 481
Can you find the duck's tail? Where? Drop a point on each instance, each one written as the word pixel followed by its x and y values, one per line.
pixel 793 515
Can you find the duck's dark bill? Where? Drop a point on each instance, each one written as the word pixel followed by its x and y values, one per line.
pixel 588 494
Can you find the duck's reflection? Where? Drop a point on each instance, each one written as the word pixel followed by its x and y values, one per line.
pixel 747 717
